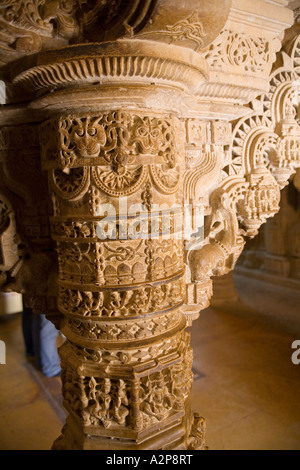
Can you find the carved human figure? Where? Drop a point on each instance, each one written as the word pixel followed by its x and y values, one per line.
pixel 121 403
pixel 157 401
pixel 101 402
pixel 195 440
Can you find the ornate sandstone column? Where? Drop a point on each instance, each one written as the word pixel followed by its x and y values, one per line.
pixel 134 116
pixel 121 278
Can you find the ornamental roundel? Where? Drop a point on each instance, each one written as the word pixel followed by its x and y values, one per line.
pixel 72 185
pixel 166 177
pixel 121 180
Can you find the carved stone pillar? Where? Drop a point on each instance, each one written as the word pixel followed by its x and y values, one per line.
pixel 115 164
pixel 121 276
pixel 142 117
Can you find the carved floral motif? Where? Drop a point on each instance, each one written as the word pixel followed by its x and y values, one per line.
pixel 190 29
pixel 240 50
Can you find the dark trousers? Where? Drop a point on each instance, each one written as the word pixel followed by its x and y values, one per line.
pixel 40 337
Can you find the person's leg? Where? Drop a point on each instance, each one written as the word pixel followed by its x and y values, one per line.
pixel 49 361
pixel 27 331
pixel 36 328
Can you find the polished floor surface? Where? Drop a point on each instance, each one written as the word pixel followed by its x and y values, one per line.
pixel 245 383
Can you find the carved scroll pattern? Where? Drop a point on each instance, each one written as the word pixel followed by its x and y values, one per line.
pixel 242 51
pixel 189 30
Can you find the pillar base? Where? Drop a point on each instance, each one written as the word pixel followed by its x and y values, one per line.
pixel 185 433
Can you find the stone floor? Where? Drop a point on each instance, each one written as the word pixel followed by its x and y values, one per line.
pixel 245 383
pixel 31 413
